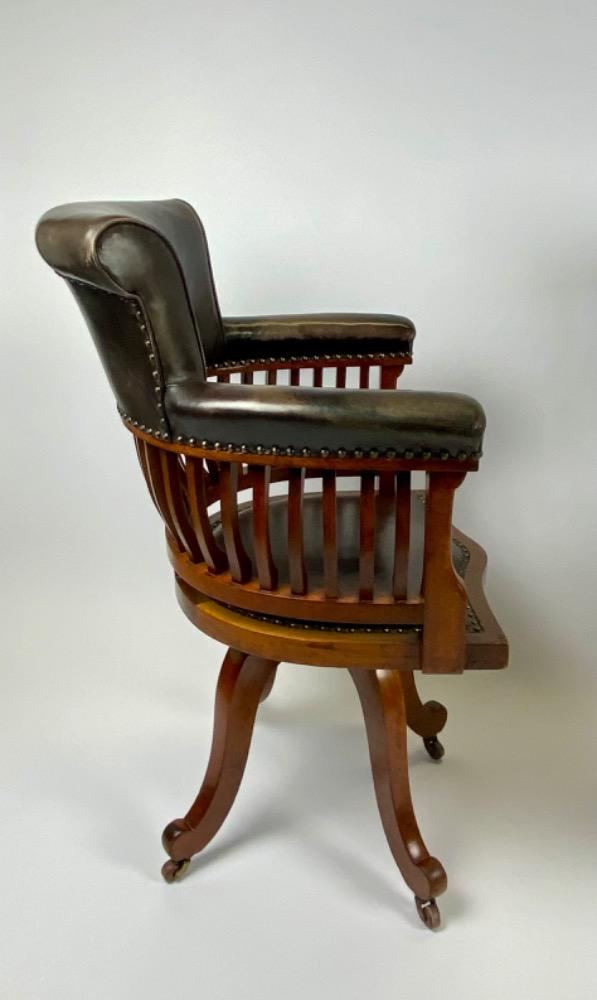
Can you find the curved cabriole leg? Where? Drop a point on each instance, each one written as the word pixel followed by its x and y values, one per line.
pixel 384 708
pixel 427 720
pixel 243 682
pixel 269 684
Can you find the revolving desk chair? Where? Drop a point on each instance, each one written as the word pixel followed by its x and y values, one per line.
pixel 374 578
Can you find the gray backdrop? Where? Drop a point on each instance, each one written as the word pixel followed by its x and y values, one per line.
pixel 432 159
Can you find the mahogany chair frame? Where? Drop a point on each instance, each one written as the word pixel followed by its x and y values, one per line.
pixel 241 603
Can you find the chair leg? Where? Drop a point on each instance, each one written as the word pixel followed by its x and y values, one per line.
pixel 269 684
pixel 427 720
pixel 384 707
pixel 243 682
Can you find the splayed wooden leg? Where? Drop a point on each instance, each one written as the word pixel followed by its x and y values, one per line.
pixel 384 707
pixel 270 683
pixel 241 685
pixel 426 719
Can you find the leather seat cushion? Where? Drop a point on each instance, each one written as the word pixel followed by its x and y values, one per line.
pixel 348 532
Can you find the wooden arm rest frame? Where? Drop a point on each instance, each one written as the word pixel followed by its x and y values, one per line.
pixel 185 481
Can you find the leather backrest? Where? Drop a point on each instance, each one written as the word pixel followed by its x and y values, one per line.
pixel 141 274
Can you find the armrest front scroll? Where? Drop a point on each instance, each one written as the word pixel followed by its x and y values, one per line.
pixel 312 336
pixel 423 426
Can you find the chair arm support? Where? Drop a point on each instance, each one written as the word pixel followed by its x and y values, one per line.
pixel 250 338
pixel 323 422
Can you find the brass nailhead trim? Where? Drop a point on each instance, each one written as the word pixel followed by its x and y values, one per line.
pixel 260 449
pixel 137 312
pixel 238 362
pixel 325 626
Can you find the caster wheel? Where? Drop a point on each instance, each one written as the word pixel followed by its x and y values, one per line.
pixel 433 747
pixel 428 911
pixel 173 871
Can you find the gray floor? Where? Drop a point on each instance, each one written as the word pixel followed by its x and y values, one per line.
pixel 106 730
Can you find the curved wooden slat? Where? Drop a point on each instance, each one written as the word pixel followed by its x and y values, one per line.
pixel 401 536
pixel 296 559
pixel 213 555
pixel 238 560
pixel 141 447
pixel 367 537
pixel 267 573
pixel 179 515
pixel 158 489
pixel 330 543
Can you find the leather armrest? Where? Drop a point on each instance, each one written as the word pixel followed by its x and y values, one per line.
pixel 307 336
pixel 340 422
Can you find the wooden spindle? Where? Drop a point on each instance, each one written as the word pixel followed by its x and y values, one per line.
pixel 401 536
pixel 367 537
pixel 267 573
pixel 341 377
pixel 246 378
pixel 317 378
pixel 158 490
pixel 387 380
pixel 239 563
pixel 141 447
pixel 272 376
pixel 214 557
pixel 295 376
pixel 389 375
pixel 330 543
pixel 223 376
pixel 364 377
pixel 179 515
pixel 296 555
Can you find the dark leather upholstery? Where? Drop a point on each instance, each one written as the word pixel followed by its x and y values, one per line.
pixel 319 334
pixel 334 419
pixel 141 274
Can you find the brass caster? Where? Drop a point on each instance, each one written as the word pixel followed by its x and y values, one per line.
pixel 433 747
pixel 173 871
pixel 428 911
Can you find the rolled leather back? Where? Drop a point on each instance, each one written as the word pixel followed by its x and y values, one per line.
pixel 141 274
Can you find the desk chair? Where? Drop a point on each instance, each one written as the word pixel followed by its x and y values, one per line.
pixel 246 435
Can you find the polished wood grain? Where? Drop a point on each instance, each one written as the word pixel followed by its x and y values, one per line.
pixel 238 560
pixel 444 593
pixel 244 681
pixel 367 538
pixel 402 494
pixel 267 573
pixel 213 556
pixel 426 719
pixel 178 511
pixel 332 613
pixel 330 535
pixel 384 710
pixel 296 557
